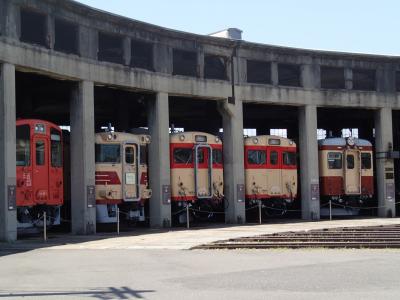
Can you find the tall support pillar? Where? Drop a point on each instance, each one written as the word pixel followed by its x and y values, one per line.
pixel 309 178
pixel 8 218
pixel 384 167
pixel 83 200
pixel 159 165
pixel 234 188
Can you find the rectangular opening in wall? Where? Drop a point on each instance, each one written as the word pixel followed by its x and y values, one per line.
pixel 215 67
pixel 110 48
pixel 142 55
pixel 184 63
pixel 364 79
pixel 332 78
pixel 33 27
pixel 66 36
pixel 398 81
pixel 289 75
pixel 258 71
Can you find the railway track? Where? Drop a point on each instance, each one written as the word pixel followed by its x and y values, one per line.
pixel 345 237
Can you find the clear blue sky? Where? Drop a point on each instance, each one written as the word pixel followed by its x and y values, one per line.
pixel 365 26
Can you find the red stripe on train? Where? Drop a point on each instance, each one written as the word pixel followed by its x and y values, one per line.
pixel 107 177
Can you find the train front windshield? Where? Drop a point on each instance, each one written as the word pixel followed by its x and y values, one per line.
pixel 23 145
pixel 106 153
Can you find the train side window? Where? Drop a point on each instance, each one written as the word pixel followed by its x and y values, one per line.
pixel 183 155
pixel 256 157
pixel 56 149
pixel 108 153
pixel 334 160
pixel 23 146
pixel 273 158
pixel 350 161
pixel 217 156
pixel 366 161
pixel 40 153
pixel 130 155
pixel 289 158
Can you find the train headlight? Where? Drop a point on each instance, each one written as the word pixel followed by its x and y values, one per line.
pixel 147 139
pixel 290 142
pixel 255 140
pixel 109 137
pixel 181 137
pixel 216 139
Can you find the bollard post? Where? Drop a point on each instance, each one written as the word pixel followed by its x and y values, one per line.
pixel 259 212
pixel 330 210
pixel 187 215
pixel 117 220
pixel 44 227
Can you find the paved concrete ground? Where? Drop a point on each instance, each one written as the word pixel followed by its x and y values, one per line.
pixel 155 265
pixel 199 274
pixel 185 239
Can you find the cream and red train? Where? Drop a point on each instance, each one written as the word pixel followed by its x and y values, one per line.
pixel 346 171
pixel 270 171
pixel 196 171
pixel 121 176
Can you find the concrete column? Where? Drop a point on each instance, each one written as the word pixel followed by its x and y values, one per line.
pixel 309 178
pixel 348 77
pixel 83 202
pixel 274 73
pixel 159 164
pixel 126 44
pixel 162 58
pixel 200 64
pixel 232 118
pixel 8 217
pixel 310 76
pixel 88 42
pixel 384 167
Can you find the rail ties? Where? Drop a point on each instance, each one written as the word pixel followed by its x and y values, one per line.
pixel 346 237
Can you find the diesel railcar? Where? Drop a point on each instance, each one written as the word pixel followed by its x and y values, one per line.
pixel 39 163
pixel 346 173
pixel 196 172
pixel 121 176
pixel 270 172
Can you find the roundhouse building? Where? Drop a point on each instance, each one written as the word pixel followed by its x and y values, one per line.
pixel 54 47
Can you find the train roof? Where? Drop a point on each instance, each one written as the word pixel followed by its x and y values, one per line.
pixel 118 137
pixel 193 137
pixel 343 142
pixel 264 140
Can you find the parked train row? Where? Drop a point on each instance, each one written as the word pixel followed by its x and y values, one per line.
pixel 196 161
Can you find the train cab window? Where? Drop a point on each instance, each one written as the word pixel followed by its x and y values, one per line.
pixel 23 146
pixel 130 155
pixel 108 153
pixel 56 149
pixel 256 157
pixel 350 161
pixel 334 160
pixel 217 156
pixel 366 161
pixel 40 153
pixel 183 155
pixel 289 158
pixel 273 158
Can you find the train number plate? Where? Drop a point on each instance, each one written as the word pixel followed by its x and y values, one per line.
pixel 91 196
pixel 12 197
pixel 166 194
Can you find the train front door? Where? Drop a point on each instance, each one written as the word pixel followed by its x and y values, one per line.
pixel 203 171
pixel 40 170
pixel 130 173
pixel 352 172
